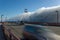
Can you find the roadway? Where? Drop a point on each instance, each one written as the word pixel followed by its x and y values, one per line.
pixel 17 30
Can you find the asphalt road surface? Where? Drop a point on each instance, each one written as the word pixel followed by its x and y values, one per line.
pixel 18 29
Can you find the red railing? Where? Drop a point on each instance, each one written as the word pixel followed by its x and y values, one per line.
pixel 9 34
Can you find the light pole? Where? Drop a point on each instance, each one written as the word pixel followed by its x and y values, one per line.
pixel 1 18
pixel 26 10
pixel 57 17
pixel 5 18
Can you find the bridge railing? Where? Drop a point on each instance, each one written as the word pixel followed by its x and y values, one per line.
pixel 9 34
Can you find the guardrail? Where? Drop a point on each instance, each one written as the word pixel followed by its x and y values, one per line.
pixel 9 34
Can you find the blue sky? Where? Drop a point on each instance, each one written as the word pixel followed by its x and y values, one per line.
pixel 11 8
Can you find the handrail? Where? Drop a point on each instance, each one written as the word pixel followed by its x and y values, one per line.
pixel 11 34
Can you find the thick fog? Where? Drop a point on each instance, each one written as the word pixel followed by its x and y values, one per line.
pixel 44 14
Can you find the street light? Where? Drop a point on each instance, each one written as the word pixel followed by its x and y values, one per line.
pixel 6 18
pixel 1 18
pixel 57 17
pixel 26 10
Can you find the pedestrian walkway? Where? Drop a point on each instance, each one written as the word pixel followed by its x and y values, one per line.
pixel 1 33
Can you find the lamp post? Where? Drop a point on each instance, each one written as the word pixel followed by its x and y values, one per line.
pixel 5 18
pixel 1 18
pixel 57 17
pixel 26 10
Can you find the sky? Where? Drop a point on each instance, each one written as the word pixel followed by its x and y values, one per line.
pixel 11 8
